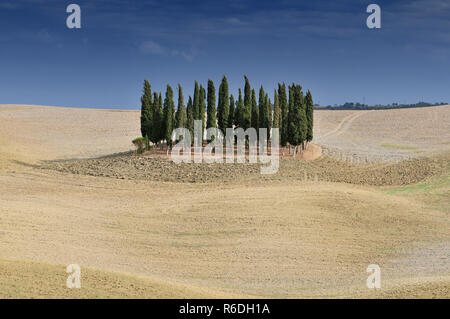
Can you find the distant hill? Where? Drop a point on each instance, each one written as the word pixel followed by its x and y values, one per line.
pixel 359 106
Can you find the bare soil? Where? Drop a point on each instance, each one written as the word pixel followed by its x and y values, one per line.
pixel 161 168
pixel 219 233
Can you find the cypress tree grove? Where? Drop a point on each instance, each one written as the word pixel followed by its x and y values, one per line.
pixel 168 115
pixel 282 97
pixel 255 113
pixel 276 111
pixel 211 118
pixel 190 117
pixel 309 116
pixel 146 110
pixel 202 108
pixel 223 107
pixel 231 112
pixel 293 116
pixel 180 117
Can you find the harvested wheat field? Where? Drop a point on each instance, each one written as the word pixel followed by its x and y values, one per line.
pixel 73 192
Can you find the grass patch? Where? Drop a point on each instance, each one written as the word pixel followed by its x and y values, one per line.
pixel 409 189
pixel 400 147
pixel 436 186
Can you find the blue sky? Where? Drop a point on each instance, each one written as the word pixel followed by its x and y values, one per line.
pixel 323 45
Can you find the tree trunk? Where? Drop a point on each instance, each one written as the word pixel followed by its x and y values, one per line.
pixel 295 151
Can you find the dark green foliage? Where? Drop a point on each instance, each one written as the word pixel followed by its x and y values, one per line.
pixel 180 116
pixel 247 93
pixel 265 111
pixel 255 112
pixel 169 107
pixel 196 102
pixel 146 110
pixel 162 131
pixel 294 135
pixel 290 118
pixel 261 108
pixel 223 108
pixel 282 98
pixel 268 114
pixel 231 113
pixel 309 116
pixel 297 116
pixel 239 114
pixel 147 143
pixel 245 110
pixel 155 134
pixel 246 120
pixel 202 108
pixel 293 116
pixel 211 118
pixel 190 118
pixel 303 119
pixel 276 111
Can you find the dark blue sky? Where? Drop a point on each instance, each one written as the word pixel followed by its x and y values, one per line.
pixel 323 45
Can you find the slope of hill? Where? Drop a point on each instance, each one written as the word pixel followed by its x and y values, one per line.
pixel 282 238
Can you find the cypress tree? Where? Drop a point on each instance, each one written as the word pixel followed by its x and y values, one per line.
pixel 161 132
pixel 290 117
pixel 268 114
pixel 196 102
pixel 282 97
pixel 180 117
pixel 276 111
pixel 168 115
pixel 223 107
pixel 294 134
pixel 309 116
pixel 231 112
pixel 190 118
pixel 246 110
pixel 255 113
pixel 239 118
pixel 146 110
pixel 297 116
pixel 247 116
pixel 202 108
pixel 147 143
pixel 237 113
pixel 211 119
pixel 247 93
pixel 261 106
pixel 155 135
pixel 303 118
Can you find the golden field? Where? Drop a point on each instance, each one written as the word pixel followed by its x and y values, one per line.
pixel 277 237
